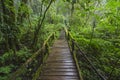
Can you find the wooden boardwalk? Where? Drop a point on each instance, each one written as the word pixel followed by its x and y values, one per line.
pixel 60 64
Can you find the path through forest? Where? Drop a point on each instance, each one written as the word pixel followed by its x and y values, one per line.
pixel 60 64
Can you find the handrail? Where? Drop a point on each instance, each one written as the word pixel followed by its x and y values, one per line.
pixel 74 56
pixel 74 44
pixel 40 53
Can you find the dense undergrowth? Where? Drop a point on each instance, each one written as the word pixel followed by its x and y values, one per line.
pixel 99 39
pixel 104 53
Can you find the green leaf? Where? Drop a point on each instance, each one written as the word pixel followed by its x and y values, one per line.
pixel 5 69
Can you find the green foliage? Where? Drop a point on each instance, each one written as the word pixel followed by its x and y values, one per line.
pixel 9 62
pixel 5 70
pixel 99 39
pixel 23 54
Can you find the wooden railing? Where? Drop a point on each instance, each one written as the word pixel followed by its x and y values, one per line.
pixel 32 67
pixel 76 51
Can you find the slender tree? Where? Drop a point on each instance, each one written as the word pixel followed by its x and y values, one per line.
pixel 39 26
pixel 9 24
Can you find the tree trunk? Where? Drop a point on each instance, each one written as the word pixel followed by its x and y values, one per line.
pixel 36 33
pixel 1 12
pixel 4 22
pixel 72 9
pixel 9 23
pixel 23 15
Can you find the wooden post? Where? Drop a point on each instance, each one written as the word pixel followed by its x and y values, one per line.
pixel 68 36
pixel 43 55
pixel 73 47
pixel 47 48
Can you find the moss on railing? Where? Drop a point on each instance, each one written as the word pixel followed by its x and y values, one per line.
pixel 72 50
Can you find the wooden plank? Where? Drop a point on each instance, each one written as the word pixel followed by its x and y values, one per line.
pixel 63 57
pixel 60 74
pixel 59 64
pixel 59 55
pixel 60 67
pixel 59 50
pixel 60 70
pixel 62 61
pixel 58 78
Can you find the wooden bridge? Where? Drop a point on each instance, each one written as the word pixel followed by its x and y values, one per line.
pixel 59 62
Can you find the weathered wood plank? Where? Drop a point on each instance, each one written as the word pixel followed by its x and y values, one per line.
pixel 60 64
pixel 60 67
pixel 60 74
pixel 60 70
pixel 59 78
pixel 60 61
